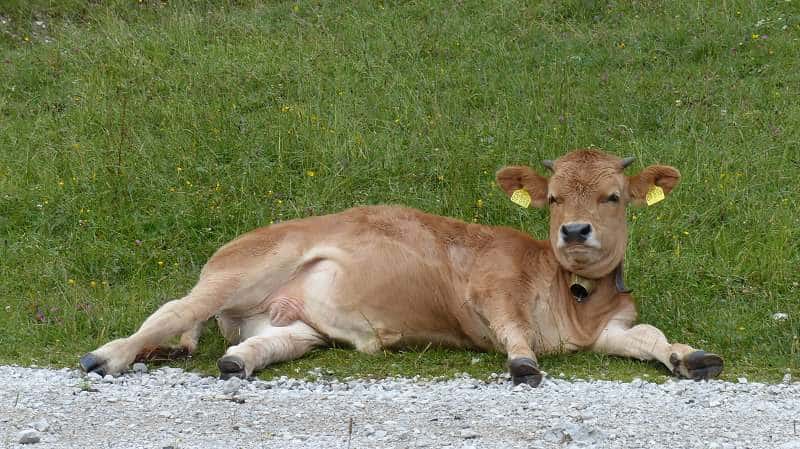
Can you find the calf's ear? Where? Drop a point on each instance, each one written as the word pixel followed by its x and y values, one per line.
pixel 518 177
pixel 649 181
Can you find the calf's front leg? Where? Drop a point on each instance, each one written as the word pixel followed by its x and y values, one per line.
pixel 522 363
pixel 646 342
pixel 501 313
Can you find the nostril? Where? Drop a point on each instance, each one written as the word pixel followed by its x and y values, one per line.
pixel 586 230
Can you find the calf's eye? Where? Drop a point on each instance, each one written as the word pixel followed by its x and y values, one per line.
pixel 613 198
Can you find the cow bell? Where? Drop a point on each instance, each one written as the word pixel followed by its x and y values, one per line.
pixel 581 287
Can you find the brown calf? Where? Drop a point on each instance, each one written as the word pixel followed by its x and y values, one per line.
pixel 386 277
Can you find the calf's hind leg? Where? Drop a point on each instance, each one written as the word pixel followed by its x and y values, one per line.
pixel 182 316
pixel 271 344
pixel 646 342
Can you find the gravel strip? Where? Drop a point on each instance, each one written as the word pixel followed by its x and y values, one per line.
pixel 172 408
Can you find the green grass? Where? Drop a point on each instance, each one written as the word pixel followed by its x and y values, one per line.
pixel 137 137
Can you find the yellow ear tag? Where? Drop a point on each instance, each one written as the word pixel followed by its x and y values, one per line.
pixel 654 195
pixel 521 197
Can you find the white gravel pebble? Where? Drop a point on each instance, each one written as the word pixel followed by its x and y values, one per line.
pixel 41 425
pixel 28 436
pixel 232 385
pixel 468 434
pixel 169 407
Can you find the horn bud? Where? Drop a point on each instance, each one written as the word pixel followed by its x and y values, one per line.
pixel 627 161
pixel 549 164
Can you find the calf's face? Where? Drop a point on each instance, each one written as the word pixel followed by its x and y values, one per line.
pixel 587 194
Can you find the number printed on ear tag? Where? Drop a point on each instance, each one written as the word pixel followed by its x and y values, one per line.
pixel 521 197
pixel 654 195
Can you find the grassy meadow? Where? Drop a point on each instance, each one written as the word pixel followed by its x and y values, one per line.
pixel 136 137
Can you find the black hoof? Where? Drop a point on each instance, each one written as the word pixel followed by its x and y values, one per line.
pixel 90 363
pixel 525 371
pixel 703 365
pixel 231 366
pixel 699 365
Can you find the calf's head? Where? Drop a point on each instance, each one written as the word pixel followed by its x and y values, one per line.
pixel 587 194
